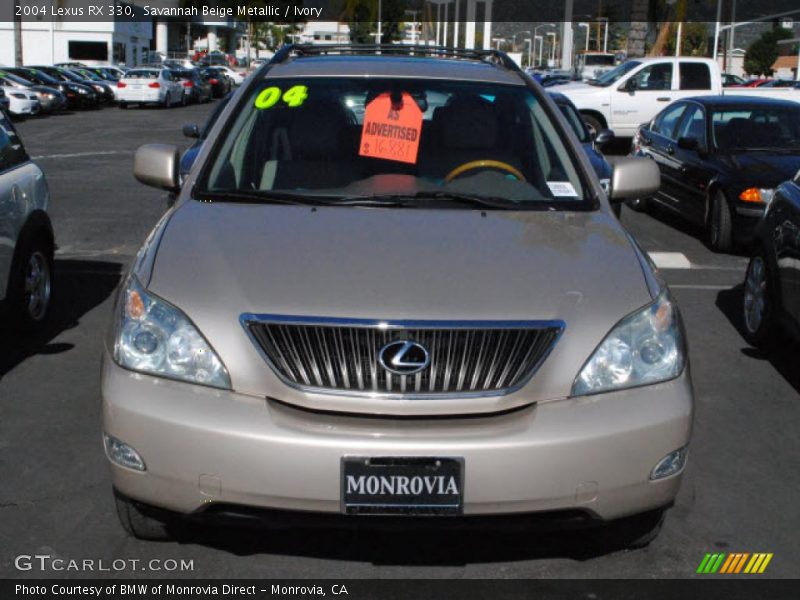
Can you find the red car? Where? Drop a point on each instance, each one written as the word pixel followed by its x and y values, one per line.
pixel 752 83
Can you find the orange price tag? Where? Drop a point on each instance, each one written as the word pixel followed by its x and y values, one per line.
pixel 391 132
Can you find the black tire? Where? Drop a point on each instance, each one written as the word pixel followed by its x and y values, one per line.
pixel 123 105
pixel 639 205
pixel 138 524
pixel 167 101
pixel 720 224
pixel 593 123
pixel 32 265
pixel 184 101
pixel 759 329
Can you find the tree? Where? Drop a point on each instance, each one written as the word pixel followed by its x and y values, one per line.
pixel 17 40
pixel 763 53
pixel 362 17
pixel 694 39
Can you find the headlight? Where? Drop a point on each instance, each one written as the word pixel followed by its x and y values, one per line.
pixel 154 337
pixel 83 90
pixel 18 95
pixel 98 88
pixel 645 347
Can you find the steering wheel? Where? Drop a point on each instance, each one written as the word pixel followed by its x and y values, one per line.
pixel 483 164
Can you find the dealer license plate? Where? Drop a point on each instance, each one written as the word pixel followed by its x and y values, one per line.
pixel 402 485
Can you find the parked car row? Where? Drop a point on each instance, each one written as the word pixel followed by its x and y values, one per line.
pixel 30 90
pixel 731 164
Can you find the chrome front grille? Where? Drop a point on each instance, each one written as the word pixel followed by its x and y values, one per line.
pixel 342 355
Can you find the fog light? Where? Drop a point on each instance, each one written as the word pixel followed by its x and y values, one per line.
pixel 122 454
pixel 671 464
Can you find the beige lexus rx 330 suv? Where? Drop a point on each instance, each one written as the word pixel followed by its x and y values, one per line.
pixel 392 285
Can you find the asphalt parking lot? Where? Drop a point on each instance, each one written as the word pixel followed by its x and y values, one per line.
pixel 739 493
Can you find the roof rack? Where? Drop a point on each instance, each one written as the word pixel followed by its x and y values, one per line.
pixel 491 56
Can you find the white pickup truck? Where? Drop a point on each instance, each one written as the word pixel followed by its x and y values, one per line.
pixel 637 90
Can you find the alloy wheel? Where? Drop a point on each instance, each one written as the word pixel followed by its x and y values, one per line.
pixel 37 286
pixel 755 294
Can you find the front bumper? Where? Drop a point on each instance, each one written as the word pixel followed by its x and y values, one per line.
pixel 53 104
pixel 203 447
pixel 25 107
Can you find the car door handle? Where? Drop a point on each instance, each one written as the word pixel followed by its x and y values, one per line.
pixel 664 99
pixel 670 150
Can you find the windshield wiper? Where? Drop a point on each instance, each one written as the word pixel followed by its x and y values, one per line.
pixel 412 200
pixel 253 197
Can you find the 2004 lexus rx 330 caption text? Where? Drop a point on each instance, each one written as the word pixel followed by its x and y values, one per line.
pixel 393 285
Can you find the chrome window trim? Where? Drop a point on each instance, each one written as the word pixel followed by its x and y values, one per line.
pixel 390 324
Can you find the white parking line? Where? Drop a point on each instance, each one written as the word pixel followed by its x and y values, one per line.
pixel 691 286
pixel 81 154
pixel 670 260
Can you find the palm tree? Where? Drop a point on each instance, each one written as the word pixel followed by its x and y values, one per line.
pixel 17 40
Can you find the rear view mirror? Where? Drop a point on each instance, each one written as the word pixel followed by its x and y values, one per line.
pixel 630 85
pixel 603 137
pixel 156 165
pixel 634 177
pixel 191 130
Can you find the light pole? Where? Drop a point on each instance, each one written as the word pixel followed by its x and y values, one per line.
pixel 529 41
pixel 379 37
pixel 537 28
pixel 552 58
pixel 585 25
pixel 541 47
pixel 605 33
pixel 497 41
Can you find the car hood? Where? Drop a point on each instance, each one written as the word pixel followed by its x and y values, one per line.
pixel 764 168
pixel 217 261
pixel 579 88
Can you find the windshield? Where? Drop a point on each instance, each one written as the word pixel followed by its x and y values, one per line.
pixel 609 77
pixel 757 128
pixel 15 79
pixel 87 74
pixel 598 60
pixel 72 76
pixel 142 74
pixel 368 138
pixel 39 76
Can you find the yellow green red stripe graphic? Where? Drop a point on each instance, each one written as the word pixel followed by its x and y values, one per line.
pixel 734 563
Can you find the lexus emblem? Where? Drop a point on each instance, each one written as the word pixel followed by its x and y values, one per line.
pixel 404 357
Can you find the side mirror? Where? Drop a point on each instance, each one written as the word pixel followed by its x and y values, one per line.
pixel 156 165
pixel 191 130
pixel 634 177
pixel 603 137
pixel 688 143
pixel 630 86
